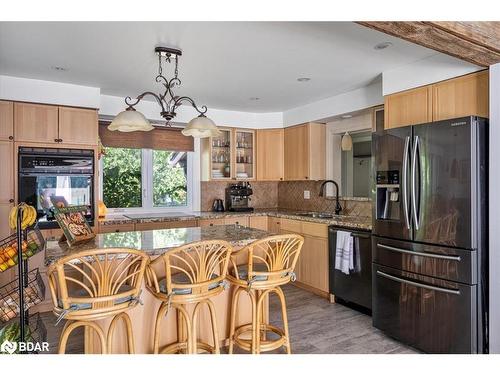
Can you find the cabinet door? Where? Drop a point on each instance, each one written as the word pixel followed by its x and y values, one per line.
pixel 4 223
pixel 409 107
pixel 274 225
pixel 78 126
pixel 462 96
pixel 35 123
pixel 7 184
pixel 258 222
pixel 220 156
pixel 297 152
pixel 244 154
pixel 6 120
pixel 270 149
pixel 313 264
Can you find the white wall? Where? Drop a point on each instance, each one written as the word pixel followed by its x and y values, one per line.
pixel 494 208
pixel 47 92
pixel 435 68
pixel 351 101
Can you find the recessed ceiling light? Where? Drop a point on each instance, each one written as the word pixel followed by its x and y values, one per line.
pixel 382 45
pixel 303 79
pixel 346 116
pixel 254 98
pixel 59 68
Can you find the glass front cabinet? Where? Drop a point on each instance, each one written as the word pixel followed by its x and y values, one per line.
pixel 230 156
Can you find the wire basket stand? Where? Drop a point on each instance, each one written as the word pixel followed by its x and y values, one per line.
pixel 25 278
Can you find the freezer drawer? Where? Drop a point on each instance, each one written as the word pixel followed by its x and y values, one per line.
pixel 436 261
pixel 433 315
pixel 357 286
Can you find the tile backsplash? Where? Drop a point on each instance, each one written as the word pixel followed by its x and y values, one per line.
pixel 286 195
pixel 291 196
pixel 265 194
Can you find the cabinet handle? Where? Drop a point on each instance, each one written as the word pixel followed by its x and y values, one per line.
pixel 237 223
pixel 211 224
pixel 56 140
pixel 307 177
pixel 281 178
pixel 11 200
pixel 60 140
pixel 11 137
pixel 117 230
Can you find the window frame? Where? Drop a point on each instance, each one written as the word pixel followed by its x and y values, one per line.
pixel 147 187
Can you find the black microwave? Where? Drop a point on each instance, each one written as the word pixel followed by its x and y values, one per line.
pixel 48 175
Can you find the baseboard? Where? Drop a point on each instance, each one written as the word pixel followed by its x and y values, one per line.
pixel 312 289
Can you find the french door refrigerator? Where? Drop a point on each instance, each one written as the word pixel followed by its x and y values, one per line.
pixel 429 238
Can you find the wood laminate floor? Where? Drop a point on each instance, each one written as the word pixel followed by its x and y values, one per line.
pixel 316 326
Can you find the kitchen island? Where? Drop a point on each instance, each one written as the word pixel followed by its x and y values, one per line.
pixel 155 243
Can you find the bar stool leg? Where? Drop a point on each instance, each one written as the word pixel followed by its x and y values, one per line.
pixel 181 332
pixel 255 323
pixel 260 316
pixel 190 346
pixel 284 314
pixel 215 331
pixel 159 317
pixel 194 324
pixel 72 325
pixel 129 333
pixel 234 305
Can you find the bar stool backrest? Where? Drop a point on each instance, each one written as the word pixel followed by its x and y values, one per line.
pixel 272 260
pixel 199 267
pixel 98 282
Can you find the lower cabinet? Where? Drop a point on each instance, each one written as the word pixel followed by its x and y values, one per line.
pixel 274 225
pixel 258 222
pixel 312 266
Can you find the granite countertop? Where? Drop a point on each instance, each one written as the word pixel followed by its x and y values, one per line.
pixel 353 222
pixel 157 242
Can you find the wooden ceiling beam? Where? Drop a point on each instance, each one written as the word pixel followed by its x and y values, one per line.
pixel 475 42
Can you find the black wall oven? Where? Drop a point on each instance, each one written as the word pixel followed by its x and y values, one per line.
pixel 47 174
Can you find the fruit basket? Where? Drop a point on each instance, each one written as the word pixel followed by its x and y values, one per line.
pixel 34 293
pixel 35 334
pixel 33 244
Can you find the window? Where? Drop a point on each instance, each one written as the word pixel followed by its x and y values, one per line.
pixel 145 179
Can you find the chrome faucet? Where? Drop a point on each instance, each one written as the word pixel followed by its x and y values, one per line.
pixel 338 207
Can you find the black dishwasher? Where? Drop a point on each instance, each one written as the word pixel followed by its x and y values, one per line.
pixel 355 287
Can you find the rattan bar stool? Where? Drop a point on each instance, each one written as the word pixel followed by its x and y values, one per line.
pixel 270 264
pixel 194 273
pixel 96 284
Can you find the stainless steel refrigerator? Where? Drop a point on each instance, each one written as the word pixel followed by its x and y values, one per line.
pixel 430 235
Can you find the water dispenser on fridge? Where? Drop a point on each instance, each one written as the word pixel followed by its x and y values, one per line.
pixel 388 195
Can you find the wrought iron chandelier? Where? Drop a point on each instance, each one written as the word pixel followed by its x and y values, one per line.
pixel 132 120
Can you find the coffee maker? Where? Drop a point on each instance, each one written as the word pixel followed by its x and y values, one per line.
pixel 237 197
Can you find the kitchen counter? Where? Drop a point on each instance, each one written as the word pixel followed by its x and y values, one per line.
pixel 157 242
pixel 352 222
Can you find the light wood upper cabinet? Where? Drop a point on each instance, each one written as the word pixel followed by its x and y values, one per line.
pixel 462 96
pixel 35 123
pixel 409 107
pixel 304 152
pixel 7 184
pixel 6 120
pixel 270 149
pixel 78 126
pixel 457 97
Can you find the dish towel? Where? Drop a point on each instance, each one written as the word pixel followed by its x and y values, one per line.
pixel 344 254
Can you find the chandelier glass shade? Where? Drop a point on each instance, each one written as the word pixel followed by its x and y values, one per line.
pixel 133 120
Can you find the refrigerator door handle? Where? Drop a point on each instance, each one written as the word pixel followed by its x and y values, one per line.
pixel 404 180
pixel 415 253
pixel 418 285
pixel 414 185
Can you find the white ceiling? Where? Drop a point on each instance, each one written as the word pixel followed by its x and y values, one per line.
pixel 223 63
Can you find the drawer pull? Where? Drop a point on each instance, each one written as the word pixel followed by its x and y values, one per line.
pixel 428 255
pixel 419 285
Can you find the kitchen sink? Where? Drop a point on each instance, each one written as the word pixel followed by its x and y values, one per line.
pixel 318 215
